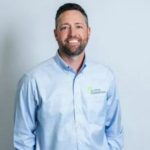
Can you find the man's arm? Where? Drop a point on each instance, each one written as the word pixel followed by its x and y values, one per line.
pixel 25 115
pixel 113 127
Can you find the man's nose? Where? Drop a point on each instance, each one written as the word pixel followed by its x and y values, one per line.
pixel 72 32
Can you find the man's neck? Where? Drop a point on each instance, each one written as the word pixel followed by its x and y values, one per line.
pixel 75 62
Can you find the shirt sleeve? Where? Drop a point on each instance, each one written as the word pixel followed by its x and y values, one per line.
pixel 113 127
pixel 25 115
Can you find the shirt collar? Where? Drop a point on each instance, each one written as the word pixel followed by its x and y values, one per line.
pixel 65 66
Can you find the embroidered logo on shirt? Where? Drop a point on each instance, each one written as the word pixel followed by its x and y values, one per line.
pixel 94 91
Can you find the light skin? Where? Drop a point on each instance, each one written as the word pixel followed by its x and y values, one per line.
pixel 72 34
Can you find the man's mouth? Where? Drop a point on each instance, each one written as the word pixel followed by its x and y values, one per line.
pixel 73 41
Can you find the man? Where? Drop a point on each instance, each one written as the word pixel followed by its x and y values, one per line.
pixel 68 102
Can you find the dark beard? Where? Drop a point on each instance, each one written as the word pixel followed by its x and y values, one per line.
pixel 68 52
pixel 65 49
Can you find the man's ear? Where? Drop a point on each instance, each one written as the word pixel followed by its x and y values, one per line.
pixel 89 32
pixel 55 33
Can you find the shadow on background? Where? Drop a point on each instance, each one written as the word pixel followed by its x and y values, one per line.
pixel 8 80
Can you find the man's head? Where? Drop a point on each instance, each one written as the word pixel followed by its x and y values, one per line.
pixel 72 30
pixel 70 6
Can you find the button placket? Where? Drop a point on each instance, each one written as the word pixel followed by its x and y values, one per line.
pixel 77 108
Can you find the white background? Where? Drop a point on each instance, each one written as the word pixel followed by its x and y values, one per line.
pixel 120 38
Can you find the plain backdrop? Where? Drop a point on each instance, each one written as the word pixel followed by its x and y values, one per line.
pixel 120 38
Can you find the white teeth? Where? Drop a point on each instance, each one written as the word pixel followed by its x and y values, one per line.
pixel 73 41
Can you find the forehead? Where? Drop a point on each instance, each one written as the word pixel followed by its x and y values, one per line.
pixel 71 16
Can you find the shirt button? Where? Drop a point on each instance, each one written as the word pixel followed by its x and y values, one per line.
pixel 80 143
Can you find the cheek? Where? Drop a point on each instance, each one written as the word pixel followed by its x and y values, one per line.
pixel 62 36
pixel 85 36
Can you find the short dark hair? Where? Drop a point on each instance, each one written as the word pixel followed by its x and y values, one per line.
pixel 70 6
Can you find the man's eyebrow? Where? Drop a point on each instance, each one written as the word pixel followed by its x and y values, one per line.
pixel 64 24
pixel 77 23
pixel 67 24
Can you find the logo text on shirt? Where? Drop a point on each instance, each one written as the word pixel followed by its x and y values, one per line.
pixel 94 91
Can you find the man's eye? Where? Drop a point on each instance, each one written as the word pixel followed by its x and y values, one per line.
pixel 79 27
pixel 64 28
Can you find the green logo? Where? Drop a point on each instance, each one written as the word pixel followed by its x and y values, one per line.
pixel 91 90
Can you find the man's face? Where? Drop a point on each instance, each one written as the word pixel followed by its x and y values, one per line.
pixel 72 33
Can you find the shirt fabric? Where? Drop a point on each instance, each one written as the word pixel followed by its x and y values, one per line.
pixel 59 109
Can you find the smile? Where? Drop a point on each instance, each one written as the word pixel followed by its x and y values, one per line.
pixel 74 41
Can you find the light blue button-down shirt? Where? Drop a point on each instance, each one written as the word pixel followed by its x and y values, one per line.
pixel 58 109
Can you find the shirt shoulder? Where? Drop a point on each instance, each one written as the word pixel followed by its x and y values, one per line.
pixel 38 72
pixel 41 69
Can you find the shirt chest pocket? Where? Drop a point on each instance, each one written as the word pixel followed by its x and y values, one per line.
pixel 96 107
